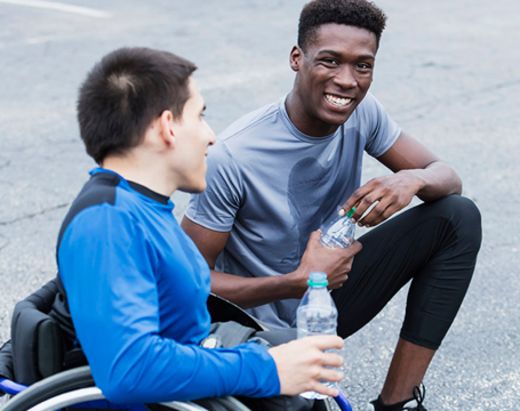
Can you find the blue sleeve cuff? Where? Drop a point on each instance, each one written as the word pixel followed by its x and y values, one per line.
pixel 258 376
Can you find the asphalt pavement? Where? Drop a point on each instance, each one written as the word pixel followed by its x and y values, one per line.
pixel 447 71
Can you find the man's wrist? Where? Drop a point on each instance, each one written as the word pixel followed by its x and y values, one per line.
pixel 294 284
pixel 418 177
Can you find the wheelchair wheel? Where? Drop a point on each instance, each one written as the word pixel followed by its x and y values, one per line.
pixel 209 404
pixel 77 386
pixel 50 387
pixel 222 404
pixel 61 401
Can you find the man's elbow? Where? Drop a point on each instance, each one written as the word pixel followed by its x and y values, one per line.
pixel 122 391
pixel 458 189
pixel 449 182
pixel 120 382
pixel 456 184
pixel 451 186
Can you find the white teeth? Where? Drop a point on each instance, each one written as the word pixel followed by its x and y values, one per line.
pixel 338 101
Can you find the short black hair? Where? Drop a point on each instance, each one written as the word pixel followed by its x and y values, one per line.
pixel 125 92
pixel 358 13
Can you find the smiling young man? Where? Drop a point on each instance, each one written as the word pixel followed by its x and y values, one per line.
pixel 136 285
pixel 276 174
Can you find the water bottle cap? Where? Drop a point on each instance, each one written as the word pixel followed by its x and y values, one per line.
pixel 318 279
pixel 351 212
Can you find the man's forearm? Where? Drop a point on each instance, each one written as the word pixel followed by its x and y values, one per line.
pixel 251 292
pixel 437 180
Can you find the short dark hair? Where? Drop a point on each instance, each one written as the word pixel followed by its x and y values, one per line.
pixel 124 92
pixel 358 13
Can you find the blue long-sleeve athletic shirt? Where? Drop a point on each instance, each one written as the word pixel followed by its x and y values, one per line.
pixel 137 288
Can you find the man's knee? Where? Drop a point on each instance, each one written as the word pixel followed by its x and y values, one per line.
pixel 461 207
pixel 464 217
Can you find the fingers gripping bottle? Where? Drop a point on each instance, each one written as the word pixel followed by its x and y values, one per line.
pixel 339 233
pixel 316 314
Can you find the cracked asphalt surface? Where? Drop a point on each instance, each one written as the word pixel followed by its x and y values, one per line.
pixel 447 71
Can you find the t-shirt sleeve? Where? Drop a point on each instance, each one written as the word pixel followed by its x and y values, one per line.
pixel 106 264
pixel 380 129
pixel 216 207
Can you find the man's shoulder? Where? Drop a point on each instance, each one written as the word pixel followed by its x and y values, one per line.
pixel 99 191
pixel 367 115
pixel 368 107
pixel 255 121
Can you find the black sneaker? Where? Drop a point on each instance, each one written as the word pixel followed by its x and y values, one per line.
pixel 413 404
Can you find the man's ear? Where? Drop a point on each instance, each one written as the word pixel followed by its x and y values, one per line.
pixel 166 127
pixel 295 58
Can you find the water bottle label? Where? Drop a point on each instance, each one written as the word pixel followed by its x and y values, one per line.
pixel 338 233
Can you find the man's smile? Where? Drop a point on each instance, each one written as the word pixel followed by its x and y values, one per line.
pixel 338 101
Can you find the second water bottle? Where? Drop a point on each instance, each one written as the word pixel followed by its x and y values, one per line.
pixel 316 314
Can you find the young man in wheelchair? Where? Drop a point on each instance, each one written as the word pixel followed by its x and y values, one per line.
pixel 136 286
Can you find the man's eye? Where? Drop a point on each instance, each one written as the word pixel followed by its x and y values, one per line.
pixel 330 61
pixel 364 67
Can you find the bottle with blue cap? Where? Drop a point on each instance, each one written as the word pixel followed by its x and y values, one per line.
pixel 316 314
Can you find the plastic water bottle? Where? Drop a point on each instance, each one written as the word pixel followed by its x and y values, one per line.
pixel 316 314
pixel 339 233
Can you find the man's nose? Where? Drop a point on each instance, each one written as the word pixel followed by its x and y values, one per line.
pixel 212 137
pixel 346 77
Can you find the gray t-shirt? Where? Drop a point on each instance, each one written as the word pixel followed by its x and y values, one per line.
pixel 270 186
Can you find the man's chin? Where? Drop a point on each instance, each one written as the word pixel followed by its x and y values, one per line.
pixel 194 188
pixel 336 119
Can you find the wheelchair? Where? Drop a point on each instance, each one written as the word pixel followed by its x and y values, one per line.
pixel 41 368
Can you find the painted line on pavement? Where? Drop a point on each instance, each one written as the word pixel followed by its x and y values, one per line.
pixel 66 8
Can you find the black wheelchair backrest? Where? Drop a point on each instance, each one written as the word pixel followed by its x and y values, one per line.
pixel 37 339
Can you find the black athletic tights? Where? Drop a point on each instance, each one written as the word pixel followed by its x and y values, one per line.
pixel 435 245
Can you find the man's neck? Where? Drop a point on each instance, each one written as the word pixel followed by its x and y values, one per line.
pixel 142 172
pixel 312 127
